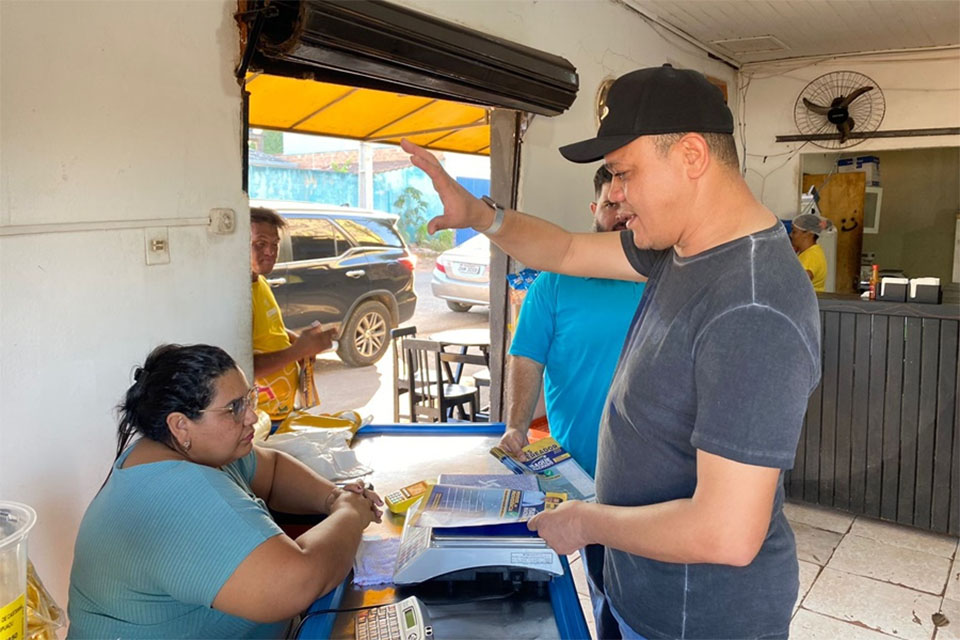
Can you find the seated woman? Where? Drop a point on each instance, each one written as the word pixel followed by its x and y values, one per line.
pixel 179 542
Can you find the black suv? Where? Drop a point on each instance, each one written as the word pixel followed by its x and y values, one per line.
pixel 338 264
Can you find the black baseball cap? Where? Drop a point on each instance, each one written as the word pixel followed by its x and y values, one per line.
pixel 654 101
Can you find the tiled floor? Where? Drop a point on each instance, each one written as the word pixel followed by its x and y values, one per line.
pixel 862 579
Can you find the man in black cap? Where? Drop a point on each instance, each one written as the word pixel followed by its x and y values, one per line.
pixel 707 402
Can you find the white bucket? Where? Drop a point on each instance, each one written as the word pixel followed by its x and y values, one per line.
pixel 16 520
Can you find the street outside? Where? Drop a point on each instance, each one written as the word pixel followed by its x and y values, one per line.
pixel 369 390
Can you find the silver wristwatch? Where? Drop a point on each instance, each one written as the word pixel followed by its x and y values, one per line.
pixel 498 212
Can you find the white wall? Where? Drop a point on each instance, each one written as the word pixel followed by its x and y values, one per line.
pixel 108 111
pixel 601 38
pixel 921 90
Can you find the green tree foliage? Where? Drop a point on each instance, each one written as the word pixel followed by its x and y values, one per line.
pixel 273 142
pixel 412 209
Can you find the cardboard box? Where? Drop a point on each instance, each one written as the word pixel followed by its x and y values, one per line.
pixel 870 165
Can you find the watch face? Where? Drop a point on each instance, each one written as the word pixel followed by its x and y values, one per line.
pixel 602 110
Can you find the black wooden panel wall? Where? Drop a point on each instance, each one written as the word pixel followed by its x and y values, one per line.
pixel 882 431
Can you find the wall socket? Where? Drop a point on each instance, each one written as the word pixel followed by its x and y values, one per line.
pixel 223 221
pixel 157 245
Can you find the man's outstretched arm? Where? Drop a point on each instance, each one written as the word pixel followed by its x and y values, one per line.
pixel 533 241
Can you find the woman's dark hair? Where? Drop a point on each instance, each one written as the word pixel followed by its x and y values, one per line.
pixel 173 378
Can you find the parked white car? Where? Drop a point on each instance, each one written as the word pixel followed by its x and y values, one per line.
pixel 461 275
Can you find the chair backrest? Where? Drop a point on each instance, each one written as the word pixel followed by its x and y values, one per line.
pixel 425 378
pixel 400 376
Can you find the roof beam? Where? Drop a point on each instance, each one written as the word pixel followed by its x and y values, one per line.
pixel 324 107
pixel 408 134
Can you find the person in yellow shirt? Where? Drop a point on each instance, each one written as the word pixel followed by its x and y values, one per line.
pixel 276 349
pixel 805 230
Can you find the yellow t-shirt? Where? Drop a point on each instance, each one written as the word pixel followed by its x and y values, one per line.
pixel 813 260
pixel 278 391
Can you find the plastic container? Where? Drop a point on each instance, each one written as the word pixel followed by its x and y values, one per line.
pixel 16 520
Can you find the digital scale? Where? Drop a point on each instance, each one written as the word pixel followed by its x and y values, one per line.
pixel 443 559
pixel 461 553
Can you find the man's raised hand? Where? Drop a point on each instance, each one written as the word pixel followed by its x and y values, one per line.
pixel 460 208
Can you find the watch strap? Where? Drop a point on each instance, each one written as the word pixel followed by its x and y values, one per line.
pixel 498 215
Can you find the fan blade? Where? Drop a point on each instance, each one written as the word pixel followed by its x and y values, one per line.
pixel 853 96
pixel 815 107
pixel 844 129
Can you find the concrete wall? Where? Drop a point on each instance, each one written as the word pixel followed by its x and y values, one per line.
pixel 601 39
pixel 921 198
pixel 109 111
pixel 922 90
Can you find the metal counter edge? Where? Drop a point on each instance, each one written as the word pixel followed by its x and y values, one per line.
pixel 434 429
pixel 567 612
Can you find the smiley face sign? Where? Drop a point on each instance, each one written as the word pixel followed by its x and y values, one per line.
pixel 841 201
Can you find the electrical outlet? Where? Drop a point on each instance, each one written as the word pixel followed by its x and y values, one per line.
pixel 157 245
pixel 223 221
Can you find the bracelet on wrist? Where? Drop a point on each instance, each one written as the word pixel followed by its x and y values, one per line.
pixel 498 214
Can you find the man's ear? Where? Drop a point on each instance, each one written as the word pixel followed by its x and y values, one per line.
pixel 593 208
pixel 695 154
pixel 178 424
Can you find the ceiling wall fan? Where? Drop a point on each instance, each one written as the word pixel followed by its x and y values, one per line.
pixel 836 105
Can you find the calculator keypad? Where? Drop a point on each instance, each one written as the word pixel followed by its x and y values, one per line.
pixel 381 623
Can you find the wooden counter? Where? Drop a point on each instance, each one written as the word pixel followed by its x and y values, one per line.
pixel 882 432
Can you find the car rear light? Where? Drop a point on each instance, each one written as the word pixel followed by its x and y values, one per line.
pixel 410 261
pixel 440 266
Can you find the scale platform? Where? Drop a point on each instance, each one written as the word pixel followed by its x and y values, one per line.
pixel 463 553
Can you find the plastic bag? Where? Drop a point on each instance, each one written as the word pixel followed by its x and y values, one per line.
pixel 44 617
pixel 261 430
pixel 312 418
pixel 326 451
pixel 518 283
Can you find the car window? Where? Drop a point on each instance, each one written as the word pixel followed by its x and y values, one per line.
pixel 371 232
pixel 315 239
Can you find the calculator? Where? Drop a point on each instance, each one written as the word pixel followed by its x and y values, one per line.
pixel 404 620
pixel 400 500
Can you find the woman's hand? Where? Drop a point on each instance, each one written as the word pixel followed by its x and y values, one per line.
pixel 357 486
pixel 357 496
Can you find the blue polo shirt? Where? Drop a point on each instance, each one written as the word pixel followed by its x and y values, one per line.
pixel 575 328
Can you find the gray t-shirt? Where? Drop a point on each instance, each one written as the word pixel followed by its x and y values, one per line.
pixel 722 355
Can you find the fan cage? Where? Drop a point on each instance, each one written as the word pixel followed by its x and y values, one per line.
pixel 867 110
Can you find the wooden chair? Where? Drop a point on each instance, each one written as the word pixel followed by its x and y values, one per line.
pixel 401 378
pixel 431 393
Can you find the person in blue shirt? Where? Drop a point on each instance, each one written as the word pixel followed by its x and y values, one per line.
pixel 179 542
pixel 569 335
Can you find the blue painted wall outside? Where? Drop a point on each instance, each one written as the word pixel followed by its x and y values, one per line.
pixel 334 187
pixel 478 187
pixel 338 188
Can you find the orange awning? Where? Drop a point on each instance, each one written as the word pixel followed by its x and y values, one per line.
pixel 319 108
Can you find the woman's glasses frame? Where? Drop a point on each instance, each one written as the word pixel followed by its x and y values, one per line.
pixel 238 407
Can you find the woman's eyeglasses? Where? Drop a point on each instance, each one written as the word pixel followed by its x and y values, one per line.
pixel 238 408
